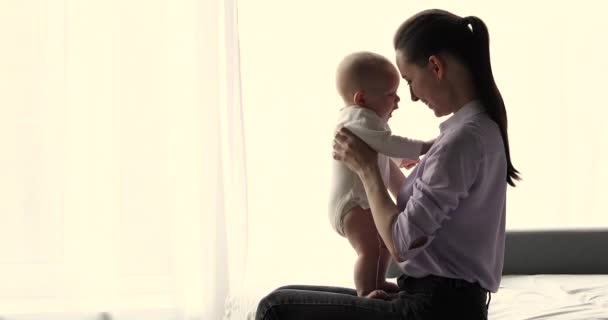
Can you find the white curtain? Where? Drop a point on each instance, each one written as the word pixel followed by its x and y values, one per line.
pixel 122 176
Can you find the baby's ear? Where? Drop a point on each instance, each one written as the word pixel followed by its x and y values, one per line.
pixel 359 98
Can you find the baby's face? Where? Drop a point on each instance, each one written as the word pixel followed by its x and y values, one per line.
pixel 382 98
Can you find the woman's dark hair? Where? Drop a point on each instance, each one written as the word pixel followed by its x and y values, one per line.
pixel 436 31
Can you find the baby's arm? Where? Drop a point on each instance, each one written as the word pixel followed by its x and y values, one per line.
pixel 410 163
pixel 381 139
pixel 426 146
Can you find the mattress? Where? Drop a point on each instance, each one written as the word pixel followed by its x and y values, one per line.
pixel 520 297
pixel 555 297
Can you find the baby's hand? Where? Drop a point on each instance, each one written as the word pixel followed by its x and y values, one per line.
pixel 408 163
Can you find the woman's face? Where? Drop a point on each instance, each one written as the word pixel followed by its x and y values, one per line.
pixel 424 84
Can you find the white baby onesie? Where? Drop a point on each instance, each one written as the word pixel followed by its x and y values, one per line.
pixel 346 189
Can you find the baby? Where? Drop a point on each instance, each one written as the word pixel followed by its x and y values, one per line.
pixel 367 82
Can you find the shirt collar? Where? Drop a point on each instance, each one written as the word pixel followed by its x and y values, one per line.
pixel 467 111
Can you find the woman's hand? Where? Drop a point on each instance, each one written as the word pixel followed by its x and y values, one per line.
pixel 353 151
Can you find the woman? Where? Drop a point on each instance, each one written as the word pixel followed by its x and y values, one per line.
pixel 447 229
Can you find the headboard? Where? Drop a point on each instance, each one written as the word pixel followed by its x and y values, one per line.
pixel 563 251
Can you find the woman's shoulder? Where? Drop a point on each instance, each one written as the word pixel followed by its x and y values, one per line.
pixel 468 136
pixel 477 134
pixel 467 132
pixel 478 125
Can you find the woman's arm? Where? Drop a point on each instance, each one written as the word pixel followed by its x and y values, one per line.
pixel 384 210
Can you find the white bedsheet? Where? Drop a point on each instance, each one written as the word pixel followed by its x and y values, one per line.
pixel 556 297
pixel 538 297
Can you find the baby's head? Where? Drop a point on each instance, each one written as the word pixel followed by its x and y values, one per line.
pixel 368 80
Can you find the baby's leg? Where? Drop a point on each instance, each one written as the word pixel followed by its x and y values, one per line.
pixel 361 233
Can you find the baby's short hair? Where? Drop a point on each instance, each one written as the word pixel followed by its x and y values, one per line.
pixel 360 70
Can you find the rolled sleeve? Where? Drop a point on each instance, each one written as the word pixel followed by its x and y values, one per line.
pixel 449 172
pixel 405 232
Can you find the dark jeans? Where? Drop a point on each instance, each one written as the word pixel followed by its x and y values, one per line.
pixel 430 297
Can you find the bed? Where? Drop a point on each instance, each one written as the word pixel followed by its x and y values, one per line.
pixel 548 274
pixel 552 274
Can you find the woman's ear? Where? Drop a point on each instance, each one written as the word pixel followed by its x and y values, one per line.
pixel 437 66
pixel 359 98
